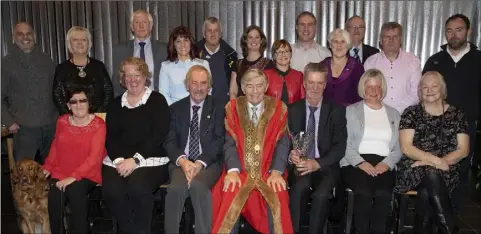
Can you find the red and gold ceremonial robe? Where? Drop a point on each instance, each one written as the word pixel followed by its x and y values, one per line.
pixel 255 147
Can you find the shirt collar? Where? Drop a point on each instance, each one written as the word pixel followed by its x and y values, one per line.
pixel 147 41
pixel 143 100
pixel 399 56
pixel 318 105
pixel 192 103
pixel 212 52
pixel 314 45
pixel 260 106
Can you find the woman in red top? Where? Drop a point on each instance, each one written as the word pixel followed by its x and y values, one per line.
pixel 285 83
pixel 75 160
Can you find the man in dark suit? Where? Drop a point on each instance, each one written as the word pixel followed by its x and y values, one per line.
pixel 357 28
pixel 194 146
pixel 325 123
pixel 143 46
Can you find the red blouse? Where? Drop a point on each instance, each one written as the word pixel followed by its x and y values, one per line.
pixel 294 84
pixel 77 151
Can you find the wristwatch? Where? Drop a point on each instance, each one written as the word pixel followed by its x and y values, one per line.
pixel 137 161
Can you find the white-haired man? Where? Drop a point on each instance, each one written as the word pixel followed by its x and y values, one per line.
pixel 152 51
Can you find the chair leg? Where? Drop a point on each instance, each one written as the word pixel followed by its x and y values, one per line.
pixel 114 225
pixel 350 211
pixel 403 206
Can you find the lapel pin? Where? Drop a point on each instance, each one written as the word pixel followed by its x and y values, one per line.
pixel 208 116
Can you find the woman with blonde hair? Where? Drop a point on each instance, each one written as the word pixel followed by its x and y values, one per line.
pixel 434 138
pixel 372 151
pixel 80 70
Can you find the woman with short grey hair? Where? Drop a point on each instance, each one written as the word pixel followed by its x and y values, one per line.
pixel 372 151
pixel 344 71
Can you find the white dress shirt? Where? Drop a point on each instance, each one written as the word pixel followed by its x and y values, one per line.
pixel 149 56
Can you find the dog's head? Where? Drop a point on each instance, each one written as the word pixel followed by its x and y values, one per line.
pixel 28 173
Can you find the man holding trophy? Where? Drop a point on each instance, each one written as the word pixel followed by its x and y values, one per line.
pixel 319 136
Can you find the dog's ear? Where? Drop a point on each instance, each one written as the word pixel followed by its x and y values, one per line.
pixel 40 176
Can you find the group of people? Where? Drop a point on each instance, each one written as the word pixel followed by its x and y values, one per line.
pixel 225 131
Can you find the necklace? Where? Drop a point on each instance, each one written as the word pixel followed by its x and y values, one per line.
pixel 82 73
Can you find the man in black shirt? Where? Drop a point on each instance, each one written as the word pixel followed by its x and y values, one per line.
pixel 460 64
pixel 220 55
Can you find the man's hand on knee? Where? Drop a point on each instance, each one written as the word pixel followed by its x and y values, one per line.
pixel 232 178
pixel 276 182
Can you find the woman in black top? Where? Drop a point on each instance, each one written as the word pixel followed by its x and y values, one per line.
pixel 137 124
pixel 434 138
pixel 253 44
pixel 81 70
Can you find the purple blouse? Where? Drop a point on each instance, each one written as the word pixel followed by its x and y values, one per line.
pixel 343 89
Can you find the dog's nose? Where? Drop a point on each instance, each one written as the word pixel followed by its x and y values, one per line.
pixel 24 180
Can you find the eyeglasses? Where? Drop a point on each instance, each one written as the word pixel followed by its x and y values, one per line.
pixel 81 101
pixel 133 76
pixel 283 52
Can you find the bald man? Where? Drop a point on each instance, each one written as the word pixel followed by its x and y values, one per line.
pixel 27 104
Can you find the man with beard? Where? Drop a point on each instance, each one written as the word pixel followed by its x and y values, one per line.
pixel 306 50
pixel 27 103
pixel 460 64
pixel 356 26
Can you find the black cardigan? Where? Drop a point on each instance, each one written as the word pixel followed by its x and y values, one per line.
pixel 140 130
pixel 97 82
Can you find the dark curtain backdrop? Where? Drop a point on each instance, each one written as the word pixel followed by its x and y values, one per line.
pixel 108 21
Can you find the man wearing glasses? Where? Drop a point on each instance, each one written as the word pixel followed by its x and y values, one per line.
pixel 306 50
pixel 357 28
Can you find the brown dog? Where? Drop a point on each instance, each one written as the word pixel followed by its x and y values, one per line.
pixel 30 189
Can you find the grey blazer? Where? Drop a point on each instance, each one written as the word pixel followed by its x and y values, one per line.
pixel 126 49
pixel 355 132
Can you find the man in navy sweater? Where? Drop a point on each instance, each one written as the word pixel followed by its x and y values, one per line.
pixel 220 55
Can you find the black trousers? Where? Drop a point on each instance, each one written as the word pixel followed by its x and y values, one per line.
pixel 433 200
pixel 131 199
pixel 372 196
pixel 465 166
pixel 76 195
pixel 322 182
